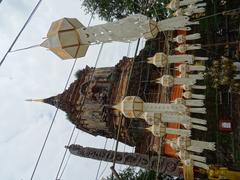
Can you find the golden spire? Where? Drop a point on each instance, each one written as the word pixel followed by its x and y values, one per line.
pixel 35 100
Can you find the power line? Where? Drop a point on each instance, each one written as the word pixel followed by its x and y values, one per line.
pixel 65 166
pixel 91 78
pixel 20 32
pixel 128 52
pixel 54 117
pixel 100 163
pixel 37 45
pixel 65 153
pixel 119 125
pixel 50 128
pixel 69 141
pixel 21 49
pixel 104 169
pixel 216 14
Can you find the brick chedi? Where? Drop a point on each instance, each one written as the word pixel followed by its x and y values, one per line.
pixel 109 85
pixel 88 100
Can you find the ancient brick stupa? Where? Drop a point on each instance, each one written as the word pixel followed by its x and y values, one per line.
pixel 88 101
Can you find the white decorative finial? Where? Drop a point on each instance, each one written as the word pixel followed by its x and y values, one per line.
pixel 35 100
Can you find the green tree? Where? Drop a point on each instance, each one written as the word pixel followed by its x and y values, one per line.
pixel 117 9
pixel 131 174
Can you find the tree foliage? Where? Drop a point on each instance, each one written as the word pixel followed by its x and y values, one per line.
pixel 131 174
pixel 116 9
pixel 222 73
pixel 78 74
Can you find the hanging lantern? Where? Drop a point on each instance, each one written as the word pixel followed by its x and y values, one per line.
pixel 65 41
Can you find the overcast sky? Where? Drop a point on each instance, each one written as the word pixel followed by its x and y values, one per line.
pixel 38 73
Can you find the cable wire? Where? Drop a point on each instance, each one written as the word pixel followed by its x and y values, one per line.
pixel 50 128
pixel 216 14
pixel 21 49
pixel 68 158
pixel 128 52
pixel 100 163
pixel 119 125
pixel 65 152
pixel 104 169
pixel 98 57
pixel 20 32
pixel 91 78
pixel 54 117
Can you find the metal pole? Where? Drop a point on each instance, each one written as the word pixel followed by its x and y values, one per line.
pixel 114 172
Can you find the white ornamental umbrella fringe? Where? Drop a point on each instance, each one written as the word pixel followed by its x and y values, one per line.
pixel 190 95
pixel 201 58
pixel 189 162
pixel 169 81
pixel 198 110
pixel 176 4
pixel 183 48
pixel 191 145
pixel 180 132
pixel 179 12
pixel 189 11
pixel 184 154
pixel 188 2
pixel 198 121
pixel 176 23
pixel 183 38
pixel 172 118
pixel 161 130
pixel 205 145
pixel 158 107
pixel 191 102
pixel 183 58
pixel 198 76
pixel 185 68
pixel 69 39
pixel 202 128
pixel 195 149
pixel 189 88
pixel 152 118
pixel 161 59
pixel 197 158
pixel 179 118
pixel 157 118
pixel 199 4
pixel 195 9
pixel 185 81
pixel 184 74
pixel 201 165
pixel 135 107
pixel 185 29
pixel 193 126
pixel 197 68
